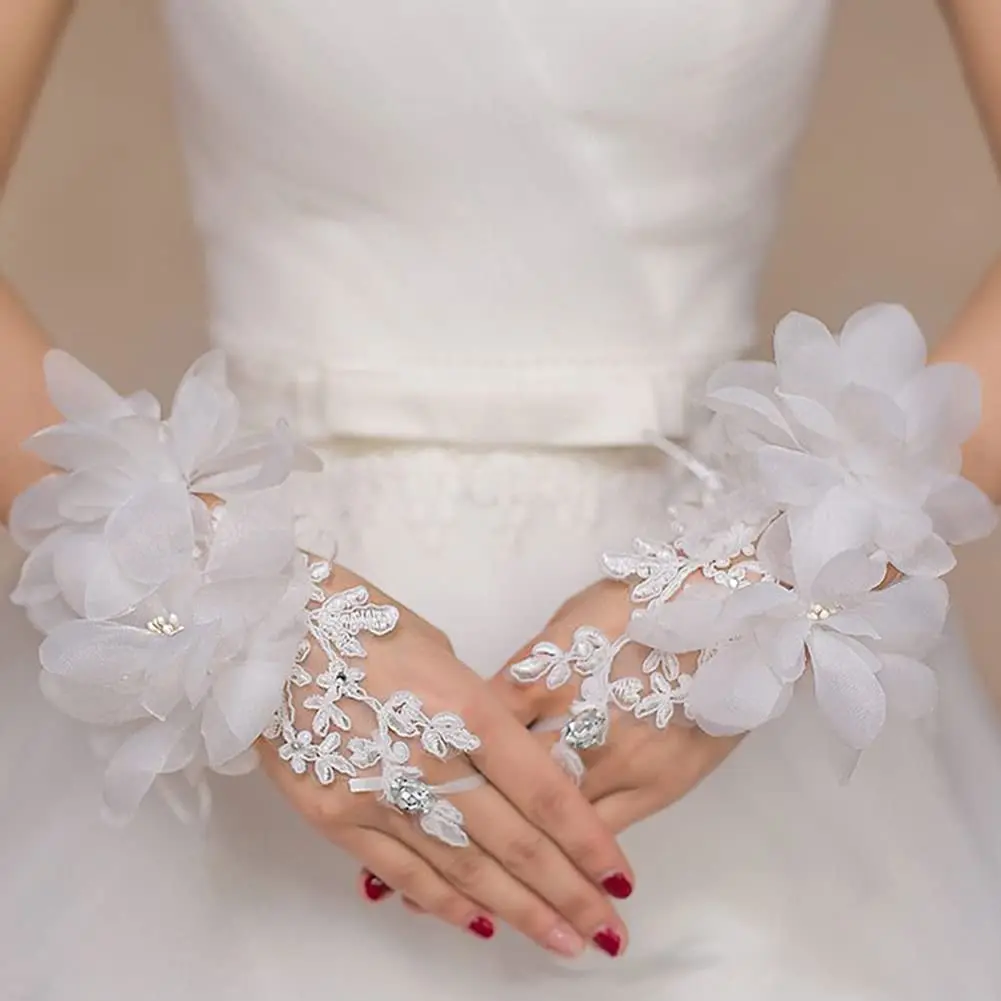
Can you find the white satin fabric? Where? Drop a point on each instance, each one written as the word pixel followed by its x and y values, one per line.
pixel 501 221
pixel 519 222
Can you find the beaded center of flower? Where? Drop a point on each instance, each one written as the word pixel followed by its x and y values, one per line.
pixel 165 625
pixel 821 613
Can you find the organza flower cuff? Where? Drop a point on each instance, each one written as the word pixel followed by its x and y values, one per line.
pixel 162 569
pixel 831 496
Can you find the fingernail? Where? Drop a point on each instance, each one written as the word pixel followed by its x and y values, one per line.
pixel 609 941
pixel 564 941
pixel 482 926
pixel 617 885
pixel 375 888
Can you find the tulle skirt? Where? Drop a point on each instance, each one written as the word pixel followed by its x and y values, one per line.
pixel 775 879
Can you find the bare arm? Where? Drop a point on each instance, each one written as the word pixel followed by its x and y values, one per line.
pixel 975 337
pixel 29 31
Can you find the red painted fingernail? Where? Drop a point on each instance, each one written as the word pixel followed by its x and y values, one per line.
pixel 483 927
pixel 617 885
pixel 375 888
pixel 608 941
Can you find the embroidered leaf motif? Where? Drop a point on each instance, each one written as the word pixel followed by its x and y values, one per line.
pixel 659 567
pixel 444 821
pixel 626 692
pixel 402 713
pixel 327 713
pixel 344 615
pixel 330 761
pixel 544 657
pixel 660 660
pixel 446 730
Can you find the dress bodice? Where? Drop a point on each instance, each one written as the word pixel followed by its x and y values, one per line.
pixel 500 221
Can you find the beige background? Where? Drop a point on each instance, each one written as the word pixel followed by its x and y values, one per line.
pixel 893 197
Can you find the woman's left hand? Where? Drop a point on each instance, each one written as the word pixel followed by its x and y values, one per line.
pixel 641 767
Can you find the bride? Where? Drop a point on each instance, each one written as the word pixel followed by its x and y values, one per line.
pixel 475 254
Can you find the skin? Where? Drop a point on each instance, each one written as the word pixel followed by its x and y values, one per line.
pixel 640 770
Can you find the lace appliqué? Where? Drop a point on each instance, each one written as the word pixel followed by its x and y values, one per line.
pixel 661 571
pixel 335 623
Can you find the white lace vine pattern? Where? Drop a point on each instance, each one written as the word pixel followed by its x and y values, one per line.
pixel 335 624
pixel 661 570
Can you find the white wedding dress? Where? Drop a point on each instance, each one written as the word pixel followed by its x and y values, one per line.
pixel 474 250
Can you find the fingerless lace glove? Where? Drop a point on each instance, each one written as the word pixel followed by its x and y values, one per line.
pixel 831 495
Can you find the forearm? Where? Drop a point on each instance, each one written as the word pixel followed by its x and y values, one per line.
pixel 975 340
pixel 24 403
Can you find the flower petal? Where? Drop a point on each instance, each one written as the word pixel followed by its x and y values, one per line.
pixel 846 575
pixel 690 622
pixel 848 693
pixel 842 520
pixel 243 701
pixel 205 412
pixel 807 358
pixel 35 511
pixel 942 405
pixel 793 477
pixel 908 616
pixel 882 347
pixel 152 535
pixel 102 653
pixel 910 685
pixel 150 751
pixel 961 512
pixel 77 393
pixel 752 412
pixel 931 558
pixel 734 691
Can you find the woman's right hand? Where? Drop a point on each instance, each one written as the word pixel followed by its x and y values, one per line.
pixel 538 852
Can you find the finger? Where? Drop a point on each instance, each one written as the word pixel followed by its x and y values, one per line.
pixel 624 808
pixel 412 907
pixel 544 794
pixel 532 858
pixel 478 876
pixel 397 866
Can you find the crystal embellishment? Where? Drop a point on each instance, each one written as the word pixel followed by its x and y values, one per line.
pixel 586 729
pixel 410 796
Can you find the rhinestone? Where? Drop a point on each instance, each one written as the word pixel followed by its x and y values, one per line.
pixel 820 613
pixel 410 795
pixel 319 572
pixel 586 730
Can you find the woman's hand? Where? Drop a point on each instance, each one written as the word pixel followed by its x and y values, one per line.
pixel 650 756
pixel 536 850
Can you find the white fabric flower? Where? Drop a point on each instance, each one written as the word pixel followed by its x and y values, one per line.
pixel 175 623
pixel 864 415
pixel 761 638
